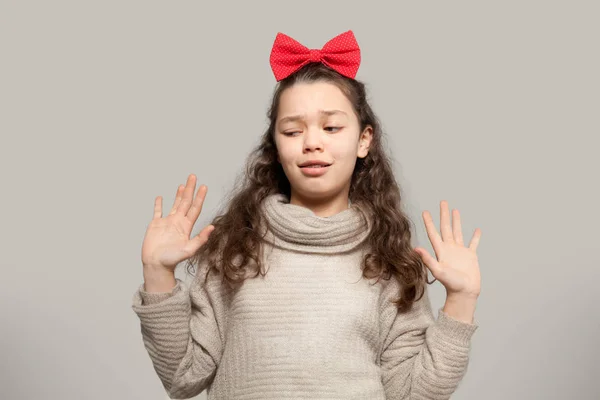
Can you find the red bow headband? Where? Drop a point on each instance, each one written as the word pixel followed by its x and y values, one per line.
pixel 340 53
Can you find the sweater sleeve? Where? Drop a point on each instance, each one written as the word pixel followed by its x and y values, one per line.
pixel 179 331
pixel 422 358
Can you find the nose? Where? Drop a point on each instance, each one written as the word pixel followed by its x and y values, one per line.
pixel 313 140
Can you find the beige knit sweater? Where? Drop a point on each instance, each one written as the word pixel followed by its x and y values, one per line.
pixel 311 329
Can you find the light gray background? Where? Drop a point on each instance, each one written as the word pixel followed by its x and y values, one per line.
pixel 493 106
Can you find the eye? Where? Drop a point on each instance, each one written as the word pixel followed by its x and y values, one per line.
pixel 333 127
pixel 290 133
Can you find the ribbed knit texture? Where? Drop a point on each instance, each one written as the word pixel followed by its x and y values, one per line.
pixel 312 328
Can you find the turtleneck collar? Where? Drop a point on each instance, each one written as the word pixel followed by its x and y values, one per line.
pixel 298 228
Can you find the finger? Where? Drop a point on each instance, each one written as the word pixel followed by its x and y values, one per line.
pixel 157 208
pixel 196 207
pixel 445 227
pixel 178 197
pixel 457 228
pixel 188 194
pixel 475 239
pixel 432 233
pixel 200 239
pixel 429 261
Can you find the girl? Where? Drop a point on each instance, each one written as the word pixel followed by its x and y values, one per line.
pixel 308 286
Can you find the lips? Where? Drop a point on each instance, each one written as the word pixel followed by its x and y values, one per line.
pixel 314 163
pixel 315 171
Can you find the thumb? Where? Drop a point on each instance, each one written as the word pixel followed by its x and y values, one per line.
pixel 198 241
pixel 429 261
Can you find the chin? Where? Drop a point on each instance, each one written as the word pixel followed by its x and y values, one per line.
pixel 316 192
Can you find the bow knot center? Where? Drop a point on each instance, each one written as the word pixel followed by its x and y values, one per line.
pixel 315 55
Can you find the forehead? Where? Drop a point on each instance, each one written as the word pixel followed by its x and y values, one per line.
pixel 310 98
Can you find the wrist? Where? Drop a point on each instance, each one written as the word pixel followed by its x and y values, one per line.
pixel 461 307
pixel 158 280
pixel 462 296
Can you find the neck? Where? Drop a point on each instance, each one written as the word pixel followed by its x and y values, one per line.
pixel 298 228
pixel 324 206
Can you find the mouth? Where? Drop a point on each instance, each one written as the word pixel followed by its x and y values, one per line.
pixel 316 166
pixel 315 169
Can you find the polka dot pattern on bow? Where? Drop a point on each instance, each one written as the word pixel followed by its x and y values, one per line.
pixel 341 54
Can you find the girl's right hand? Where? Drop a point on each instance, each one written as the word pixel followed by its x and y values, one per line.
pixel 167 240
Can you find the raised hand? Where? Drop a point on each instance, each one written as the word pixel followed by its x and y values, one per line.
pixel 167 240
pixel 457 266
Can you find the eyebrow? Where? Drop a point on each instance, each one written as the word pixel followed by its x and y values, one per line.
pixel 293 118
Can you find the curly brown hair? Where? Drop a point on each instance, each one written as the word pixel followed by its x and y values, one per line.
pixel 236 239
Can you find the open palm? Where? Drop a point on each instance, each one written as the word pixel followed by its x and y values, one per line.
pixel 167 240
pixel 457 266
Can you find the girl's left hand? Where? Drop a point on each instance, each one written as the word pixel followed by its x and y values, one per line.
pixel 456 267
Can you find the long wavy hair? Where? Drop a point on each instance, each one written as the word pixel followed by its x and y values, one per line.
pixel 234 247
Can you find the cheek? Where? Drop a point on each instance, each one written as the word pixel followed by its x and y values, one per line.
pixel 283 151
pixel 287 157
pixel 345 152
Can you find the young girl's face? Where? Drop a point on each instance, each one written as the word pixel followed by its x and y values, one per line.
pixel 315 121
